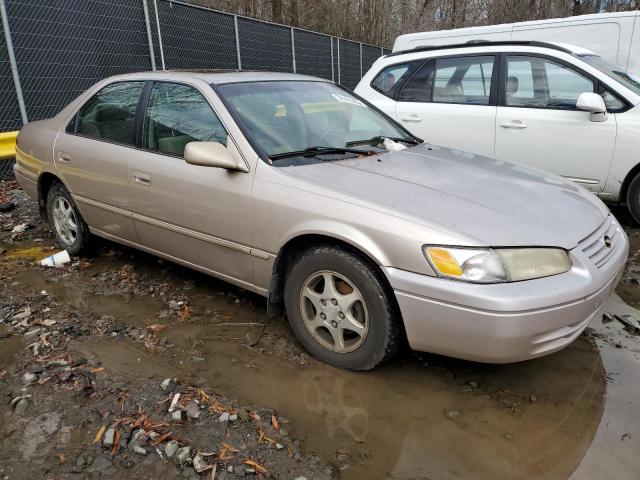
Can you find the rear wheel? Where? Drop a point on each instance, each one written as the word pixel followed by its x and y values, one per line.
pixel 67 224
pixel 339 309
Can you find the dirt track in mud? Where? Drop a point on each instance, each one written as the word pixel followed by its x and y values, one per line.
pixel 125 321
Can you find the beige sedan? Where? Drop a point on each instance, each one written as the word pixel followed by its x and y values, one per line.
pixel 296 189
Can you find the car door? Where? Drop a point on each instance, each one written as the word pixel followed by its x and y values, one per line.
pixel 196 214
pixel 450 101
pixel 539 125
pixel 93 155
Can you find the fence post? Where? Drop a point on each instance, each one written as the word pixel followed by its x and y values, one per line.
pixel 293 50
pixel 360 59
pixel 381 51
pixel 333 73
pixel 339 79
pixel 12 62
pixel 155 7
pixel 235 25
pixel 147 23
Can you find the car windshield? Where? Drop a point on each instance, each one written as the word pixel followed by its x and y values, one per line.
pixel 617 73
pixel 291 116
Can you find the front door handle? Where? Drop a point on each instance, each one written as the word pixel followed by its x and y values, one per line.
pixel 411 118
pixel 516 125
pixel 64 157
pixel 142 178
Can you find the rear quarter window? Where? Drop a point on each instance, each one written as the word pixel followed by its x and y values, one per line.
pixel 391 78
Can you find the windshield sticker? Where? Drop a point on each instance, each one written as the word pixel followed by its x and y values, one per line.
pixel 347 99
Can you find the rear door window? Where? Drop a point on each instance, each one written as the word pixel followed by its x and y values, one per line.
pixel 176 115
pixel 460 80
pixel 109 115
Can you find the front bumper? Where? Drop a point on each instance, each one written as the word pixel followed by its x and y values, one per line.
pixel 509 322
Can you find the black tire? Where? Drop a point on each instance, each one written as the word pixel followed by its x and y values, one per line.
pixel 384 328
pixel 633 198
pixel 80 242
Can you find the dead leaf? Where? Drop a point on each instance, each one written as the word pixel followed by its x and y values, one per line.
pixel 257 467
pixel 99 434
pixel 263 437
pixel 116 442
pixel 274 422
pixel 156 327
pixel 97 370
pixel 61 458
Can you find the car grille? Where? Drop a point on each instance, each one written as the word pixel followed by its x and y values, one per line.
pixel 594 245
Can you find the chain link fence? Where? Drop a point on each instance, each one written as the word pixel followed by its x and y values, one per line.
pixel 53 50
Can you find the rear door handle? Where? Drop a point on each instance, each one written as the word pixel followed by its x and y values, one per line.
pixel 516 125
pixel 64 157
pixel 142 178
pixel 411 118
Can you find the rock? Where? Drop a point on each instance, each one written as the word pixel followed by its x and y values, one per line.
pixel 21 406
pixel 190 473
pixel 137 437
pixel 139 450
pixel 20 228
pixel 183 455
pixel 28 378
pixel 32 335
pixel 107 439
pixel 451 413
pixel 116 328
pixel 176 415
pixel 224 417
pixel 200 464
pixel 193 409
pixel 22 314
pixel 243 414
pixel 171 448
pixel 48 322
pixel 7 206
pixel 233 417
pixel 168 384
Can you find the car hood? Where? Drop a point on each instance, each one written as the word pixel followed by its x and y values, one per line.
pixel 497 203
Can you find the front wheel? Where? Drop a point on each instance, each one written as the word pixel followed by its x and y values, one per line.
pixel 69 228
pixel 339 309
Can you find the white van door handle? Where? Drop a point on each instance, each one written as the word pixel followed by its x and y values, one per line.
pixel 411 118
pixel 517 125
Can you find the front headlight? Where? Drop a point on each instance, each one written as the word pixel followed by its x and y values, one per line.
pixel 496 265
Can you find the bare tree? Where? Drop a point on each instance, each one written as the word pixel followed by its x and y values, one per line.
pixel 379 22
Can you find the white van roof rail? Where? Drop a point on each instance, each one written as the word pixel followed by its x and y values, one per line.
pixel 481 43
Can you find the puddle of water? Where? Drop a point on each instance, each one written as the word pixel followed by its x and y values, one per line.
pixel 392 421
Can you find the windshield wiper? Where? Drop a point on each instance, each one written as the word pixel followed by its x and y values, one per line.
pixel 313 151
pixel 379 139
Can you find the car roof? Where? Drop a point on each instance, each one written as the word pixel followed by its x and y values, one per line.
pixel 562 47
pixel 218 77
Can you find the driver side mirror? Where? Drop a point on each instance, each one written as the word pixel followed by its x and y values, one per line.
pixel 213 154
pixel 594 104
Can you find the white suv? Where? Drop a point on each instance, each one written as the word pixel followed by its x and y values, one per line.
pixel 553 106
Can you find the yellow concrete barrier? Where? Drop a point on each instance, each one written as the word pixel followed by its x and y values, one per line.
pixel 8 144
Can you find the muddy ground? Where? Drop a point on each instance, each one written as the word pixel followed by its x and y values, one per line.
pixel 84 350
